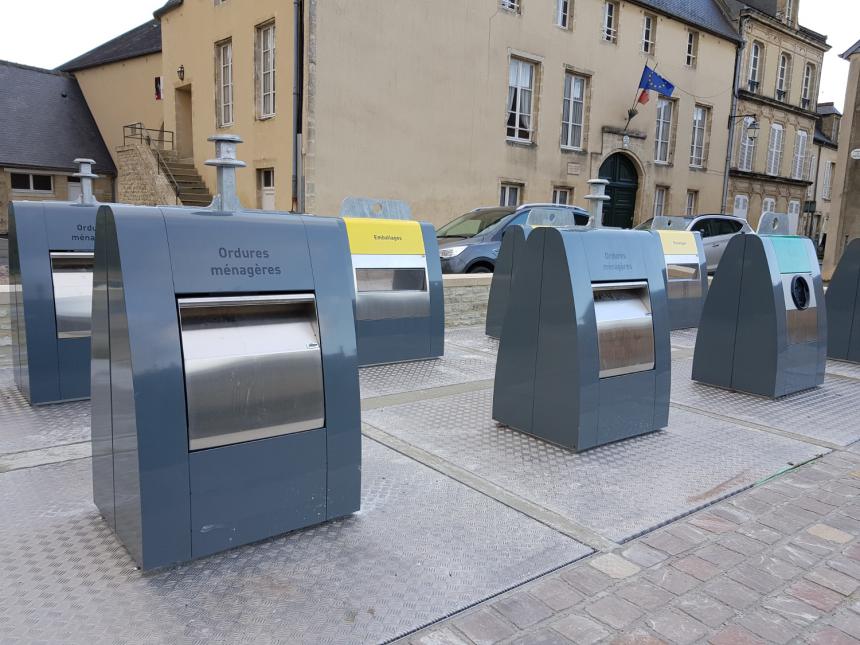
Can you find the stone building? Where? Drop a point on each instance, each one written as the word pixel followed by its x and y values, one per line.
pixel 844 223
pixel 819 195
pixel 45 125
pixel 779 72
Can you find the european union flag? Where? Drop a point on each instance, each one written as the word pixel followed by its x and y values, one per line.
pixel 651 80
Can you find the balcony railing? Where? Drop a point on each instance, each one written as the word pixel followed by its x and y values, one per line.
pixel 753 86
pixel 780 95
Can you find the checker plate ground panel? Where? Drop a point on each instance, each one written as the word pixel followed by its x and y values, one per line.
pixel 619 490
pixel 473 338
pixel 843 368
pixel 422 547
pixel 683 338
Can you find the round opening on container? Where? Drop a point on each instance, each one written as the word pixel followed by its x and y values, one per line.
pixel 800 292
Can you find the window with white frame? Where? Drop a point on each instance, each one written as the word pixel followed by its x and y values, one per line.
pixel 746 150
pixel 789 11
pixel 806 89
pixel 573 111
pixel 224 82
pixel 23 182
pixel 692 49
pixel 510 194
pixel 794 207
pixel 741 206
pixel 699 135
pixel 783 74
pixel 692 207
pixel 561 195
pixel 562 13
pixel 827 181
pixel 610 21
pixel 521 82
pixel 768 205
pixel 798 166
pixel 660 197
pixel 510 5
pixel 774 149
pixel 754 79
pixel 649 34
pixel 810 176
pixel 663 135
pixel 266 70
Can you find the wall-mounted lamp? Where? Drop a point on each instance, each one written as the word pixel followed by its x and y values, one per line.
pixel 181 72
pixel 752 129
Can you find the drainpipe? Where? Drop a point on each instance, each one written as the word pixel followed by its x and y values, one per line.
pixel 298 200
pixel 732 114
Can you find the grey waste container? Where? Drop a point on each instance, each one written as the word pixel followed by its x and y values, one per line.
pixel 843 307
pixel 686 271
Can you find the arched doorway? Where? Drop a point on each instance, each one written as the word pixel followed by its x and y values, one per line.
pixel 623 179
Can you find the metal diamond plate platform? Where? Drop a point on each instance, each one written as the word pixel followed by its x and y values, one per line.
pixel 473 338
pixel 843 368
pixel 422 547
pixel 459 365
pixel 827 413
pixel 683 338
pixel 619 490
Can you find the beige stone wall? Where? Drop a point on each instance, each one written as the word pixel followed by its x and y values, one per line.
pixel 823 205
pixel 121 94
pixel 466 299
pixel 140 181
pixel 427 125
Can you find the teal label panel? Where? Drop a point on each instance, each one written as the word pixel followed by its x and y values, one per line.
pixel 792 253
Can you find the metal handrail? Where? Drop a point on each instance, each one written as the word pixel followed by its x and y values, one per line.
pixel 139 132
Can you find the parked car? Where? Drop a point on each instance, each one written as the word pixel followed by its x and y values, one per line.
pixel 716 231
pixel 470 243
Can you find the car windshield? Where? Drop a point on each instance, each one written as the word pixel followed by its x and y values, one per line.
pixel 471 224
pixel 644 226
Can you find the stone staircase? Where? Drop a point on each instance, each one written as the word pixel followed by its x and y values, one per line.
pixel 191 189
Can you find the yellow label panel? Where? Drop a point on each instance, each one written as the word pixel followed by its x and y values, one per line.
pixel 369 236
pixel 678 243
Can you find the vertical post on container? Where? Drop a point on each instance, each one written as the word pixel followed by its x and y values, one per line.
pixel 86 175
pixel 227 198
pixel 595 201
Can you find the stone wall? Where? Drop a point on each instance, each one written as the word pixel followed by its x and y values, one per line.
pixel 466 299
pixel 139 180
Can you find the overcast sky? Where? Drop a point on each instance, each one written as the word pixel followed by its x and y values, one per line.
pixel 47 33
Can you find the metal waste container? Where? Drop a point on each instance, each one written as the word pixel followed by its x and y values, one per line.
pixel 843 307
pixel 686 271
pixel 51 276
pixel 399 304
pixel 584 357
pixel 763 328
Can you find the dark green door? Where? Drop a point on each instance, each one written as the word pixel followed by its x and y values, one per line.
pixel 623 182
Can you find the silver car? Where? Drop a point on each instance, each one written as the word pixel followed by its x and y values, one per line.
pixel 716 231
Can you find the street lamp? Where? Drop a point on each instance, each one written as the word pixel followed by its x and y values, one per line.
pixel 181 72
pixel 752 129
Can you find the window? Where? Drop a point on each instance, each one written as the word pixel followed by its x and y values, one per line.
pixel 25 182
pixel 746 151
pixel 562 13
pixel 742 203
pixel 783 74
pixel 789 11
pixel 692 202
pixel 806 90
pixel 521 77
pixel 692 48
pixel 573 111
pixel 660 194
pixel 510 5
pixel 697 142
pixel 266 188
pixel 266 71
pixel 560 195
pixel 510 194
pixel 797 168
pixel 774 149
pixel 610 22
pixel 755 67
pixel 794 208
pixel 224 82
pixel 810 176
pixel 827 180
pixel 768 205
pixel 664 130
pixel 649 28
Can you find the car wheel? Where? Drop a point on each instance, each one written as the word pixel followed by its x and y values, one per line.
pixel 481 268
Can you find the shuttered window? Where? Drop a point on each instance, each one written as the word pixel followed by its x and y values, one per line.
pixel 774 149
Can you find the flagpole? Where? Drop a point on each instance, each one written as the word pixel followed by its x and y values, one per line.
pixel 632 111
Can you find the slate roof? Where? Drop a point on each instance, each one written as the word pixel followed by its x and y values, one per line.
pixel 170 4
pixel 140 41
pixel 705 14
pixel 851 50
pixel 826 109
pixel 822 139
pixel 45 121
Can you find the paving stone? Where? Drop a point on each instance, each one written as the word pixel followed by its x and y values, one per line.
pixel 796 556
pixel 774 566
pixel 614 566
pixel 783 523
pixel 769 626
pixel 815 595
pixel 732 593
pixel 794 511
pixel 741 543
pixel 671 579
pixel 484 627
pixel 586 579
pixel 813 505
pixel 847 622
pixel 844 523
pixel 735 635
pixel 792 609
pixel 831 636
pixel 719 555
pixel 828 497
pixel 845 565
pixel 556 593
pixel 668 543
pixel 705 609
pixel 690 533
pixel 522 609
pixel 677 627
pixel 853 552
pixel 761 533
pixel 444 636
pixel 839 582
pixel 755 579
pixel 542 637
pixel 751 504
pixel 643 555
pixel 696 567
pixel 645 595
pixel 712 523
pixel 789 489
pixel 814 544
pixel 768 496
pixel 580 629
pixel 637 637
pixel 730 513
pixel 615 612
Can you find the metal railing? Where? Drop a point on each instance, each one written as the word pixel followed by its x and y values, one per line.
pixel 158 141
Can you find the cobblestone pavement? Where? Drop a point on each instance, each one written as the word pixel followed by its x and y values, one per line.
pixel 779 563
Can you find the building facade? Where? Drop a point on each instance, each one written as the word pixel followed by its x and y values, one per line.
pixel 822 163
pixel 779 72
